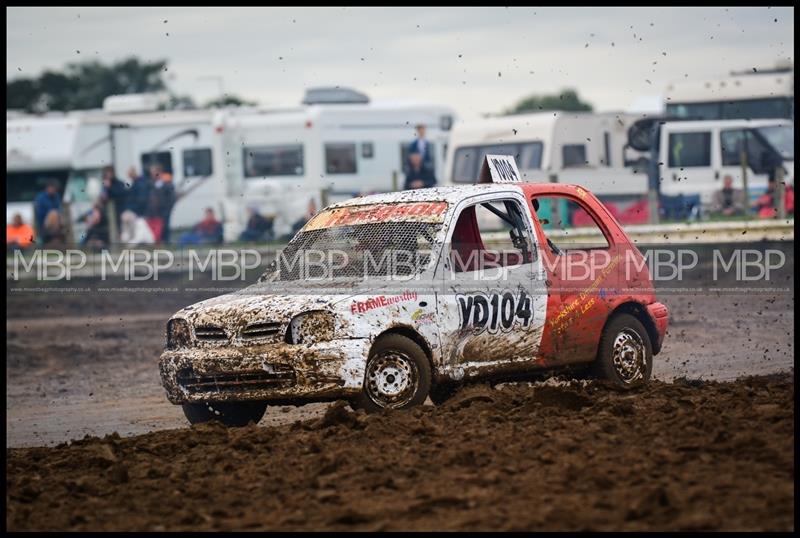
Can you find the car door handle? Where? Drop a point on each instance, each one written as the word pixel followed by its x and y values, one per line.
pixel 716 174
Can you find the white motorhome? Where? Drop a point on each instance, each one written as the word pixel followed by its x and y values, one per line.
pixel 280 159
pixel 588 149
pixel 755 94
pixel 61 147
pixel 283 160
pixel 184 143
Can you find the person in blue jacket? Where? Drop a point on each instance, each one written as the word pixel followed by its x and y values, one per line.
pixel 138 197
pixel 47 211
pixel 418 175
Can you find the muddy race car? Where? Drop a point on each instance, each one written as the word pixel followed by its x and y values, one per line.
pixel 386 300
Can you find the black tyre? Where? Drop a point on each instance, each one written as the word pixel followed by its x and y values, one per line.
pixel 625 355
pixel 232 414
pixel 398 375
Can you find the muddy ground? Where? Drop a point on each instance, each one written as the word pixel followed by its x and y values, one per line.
pixel 697 455
pixel 686 455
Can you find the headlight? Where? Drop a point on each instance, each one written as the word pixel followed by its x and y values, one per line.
pixel 310 327
pixel 178 334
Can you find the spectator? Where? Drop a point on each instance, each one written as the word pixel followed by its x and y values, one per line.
pixel 766 205
pixel 728 201
pixel 47 210
pixel 418 176
pixel 161 199
pixel 19 235
pixel 97 226
pixel 423 147
pixel 207 231
pixel 258 228
pixel 114 191
pixel 139 193
pixel 134 229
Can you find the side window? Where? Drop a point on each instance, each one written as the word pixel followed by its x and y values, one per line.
pixel 573 155
pixel 689 149
pixel 731 144
pixel 367 150
pixel 197 162
pixel 568 225
pixel 491 234
pixel 164 158
pixel 265 161
pixel 340 158
pixel 530 156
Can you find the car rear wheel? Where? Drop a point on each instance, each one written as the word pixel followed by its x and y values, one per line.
pixel 625 355
pixel 232 414
pixel 398 375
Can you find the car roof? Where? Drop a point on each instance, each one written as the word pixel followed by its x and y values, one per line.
pixel 455 193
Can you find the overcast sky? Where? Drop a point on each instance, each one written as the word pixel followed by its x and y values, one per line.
pixel 478 60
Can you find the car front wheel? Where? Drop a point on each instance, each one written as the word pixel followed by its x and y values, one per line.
pixel 625 354
pixel 398 375
pixel 232 414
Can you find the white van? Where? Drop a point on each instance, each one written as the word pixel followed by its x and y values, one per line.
pixel 695 156
pixel 581 148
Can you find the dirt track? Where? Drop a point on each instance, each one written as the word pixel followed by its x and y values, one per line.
pixel 671 456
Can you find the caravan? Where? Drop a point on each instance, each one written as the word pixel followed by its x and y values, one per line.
pixel 286 160
pixel 283 161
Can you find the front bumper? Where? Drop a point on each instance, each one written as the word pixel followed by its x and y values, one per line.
pixel 282 372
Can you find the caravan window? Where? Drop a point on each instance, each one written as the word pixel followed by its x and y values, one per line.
pixel 689 149
pixel 197 162
pixel 264 161
pixel 164 158
pixel 573 155
pixel 340 158
pixel 468 160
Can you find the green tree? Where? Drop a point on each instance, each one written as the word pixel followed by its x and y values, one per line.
pixel 85 85
pixel 229 100
pixel 567 100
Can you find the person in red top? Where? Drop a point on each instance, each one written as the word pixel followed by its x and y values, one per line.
pixel 18 234
pixel 207 231
pixel 766 205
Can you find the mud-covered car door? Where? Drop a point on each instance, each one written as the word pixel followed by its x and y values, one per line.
pixel 492 309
